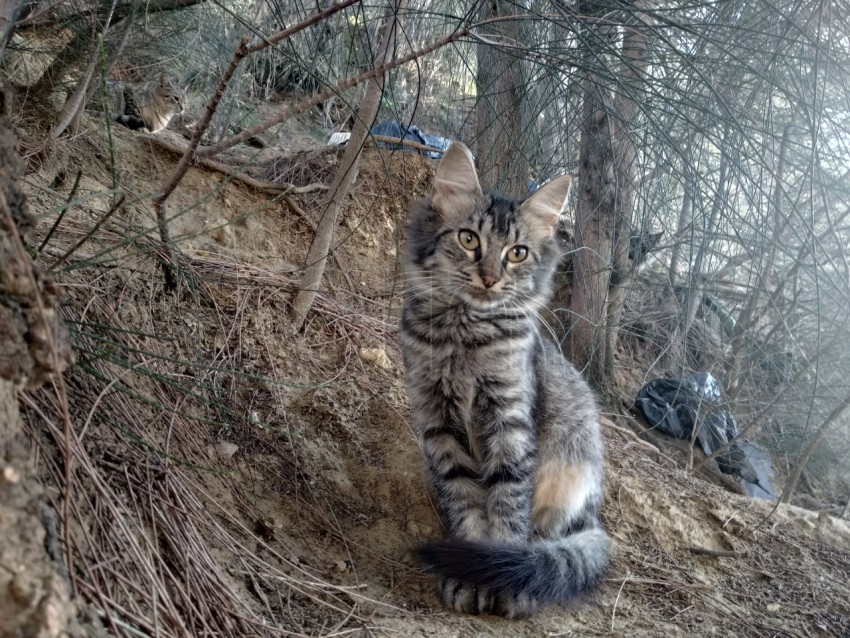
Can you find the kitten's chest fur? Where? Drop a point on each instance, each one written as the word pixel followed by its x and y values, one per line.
pixel 454 352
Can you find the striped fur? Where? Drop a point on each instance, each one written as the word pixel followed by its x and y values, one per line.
pixel 147 107
pixel 508 427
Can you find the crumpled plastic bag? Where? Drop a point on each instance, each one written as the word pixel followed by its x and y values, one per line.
pixel 677 406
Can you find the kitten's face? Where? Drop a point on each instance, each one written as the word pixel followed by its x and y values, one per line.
pixel 490 254
pixel 488 251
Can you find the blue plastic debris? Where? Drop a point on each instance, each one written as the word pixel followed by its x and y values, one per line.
pixel 412 133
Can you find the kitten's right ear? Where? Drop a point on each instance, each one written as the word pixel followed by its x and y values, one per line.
pixel 456 184
pixel 543 207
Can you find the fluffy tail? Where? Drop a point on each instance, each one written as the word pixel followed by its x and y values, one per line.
pixel 547 570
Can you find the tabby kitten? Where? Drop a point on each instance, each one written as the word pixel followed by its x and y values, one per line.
pixel 148 106
pixel 508 427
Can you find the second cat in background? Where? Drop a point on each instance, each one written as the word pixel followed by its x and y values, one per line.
pixel 148 106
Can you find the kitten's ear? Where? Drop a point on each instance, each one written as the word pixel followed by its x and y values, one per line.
pixel 544 206
pixel 456 183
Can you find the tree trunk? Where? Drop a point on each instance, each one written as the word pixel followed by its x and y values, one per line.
pixel 594 234
pixel 681 227
pixel 34 597
pixel 9 12
pixel 694 295
pixel 317 256
pixel 634 60
pixel 501 129
pixel 606 191
pixel 766 256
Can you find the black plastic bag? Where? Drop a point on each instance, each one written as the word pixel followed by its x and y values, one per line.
pixel 677 406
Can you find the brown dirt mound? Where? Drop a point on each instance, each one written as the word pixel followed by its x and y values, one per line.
pixel 269 482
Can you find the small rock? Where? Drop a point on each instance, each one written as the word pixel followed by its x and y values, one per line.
pixel 222 233
pixel 341 566
pixel 23 590
pixel 773 607
pixel 377 357
pixel 266 527
pixel 11 475
pixel 226 449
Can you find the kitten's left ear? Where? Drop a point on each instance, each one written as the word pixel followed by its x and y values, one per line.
pixel 544 206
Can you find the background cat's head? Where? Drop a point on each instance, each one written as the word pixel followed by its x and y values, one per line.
pixel 485 249
pixel 169 94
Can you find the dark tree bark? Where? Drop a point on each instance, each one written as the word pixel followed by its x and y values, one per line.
pixel 594 233
pixel 500 120
pixel 34 597
pixel 606 193
pixel 635 52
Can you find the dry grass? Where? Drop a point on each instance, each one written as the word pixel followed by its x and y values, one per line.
pixel 301 169
pixel 146 402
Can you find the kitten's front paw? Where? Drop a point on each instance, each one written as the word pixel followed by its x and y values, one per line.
pixel 463 598
pixel 512 606
pixel 468 599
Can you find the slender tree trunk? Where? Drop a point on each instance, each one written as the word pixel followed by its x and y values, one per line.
pixel 500 122
pixel 683 223
pixel 693 295
pixel 317 256
pixel 606 190
pixel 634 60
pixel 77 100
pixel 9 12
pixel 767 256
pixel 594 233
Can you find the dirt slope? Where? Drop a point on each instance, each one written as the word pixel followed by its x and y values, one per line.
pixel 324 488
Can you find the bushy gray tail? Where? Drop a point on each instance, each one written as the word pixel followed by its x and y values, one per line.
pixel 549 571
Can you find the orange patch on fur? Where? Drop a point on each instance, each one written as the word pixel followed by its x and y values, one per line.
pixel 561 490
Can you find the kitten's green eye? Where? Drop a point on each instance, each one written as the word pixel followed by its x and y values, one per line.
pixel 517 254
pixel 468 239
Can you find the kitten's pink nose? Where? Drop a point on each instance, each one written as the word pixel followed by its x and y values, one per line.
pixel 488 281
